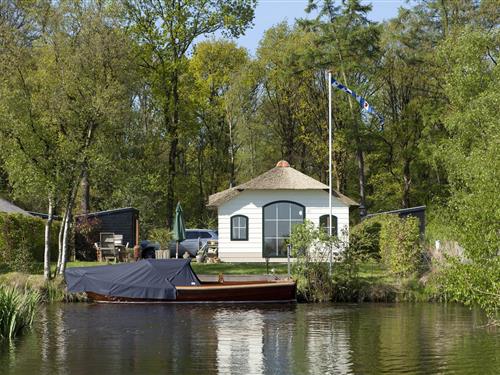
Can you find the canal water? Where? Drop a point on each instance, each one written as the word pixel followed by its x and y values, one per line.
pixel 202 339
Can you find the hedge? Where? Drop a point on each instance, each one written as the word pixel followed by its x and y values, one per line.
pixel 365 238
pixel 400 246
pixel 22 241
pixel 395 240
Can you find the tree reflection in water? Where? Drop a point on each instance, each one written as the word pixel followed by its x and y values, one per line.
pixel 254 339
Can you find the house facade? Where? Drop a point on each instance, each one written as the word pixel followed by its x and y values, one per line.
pixel 256 218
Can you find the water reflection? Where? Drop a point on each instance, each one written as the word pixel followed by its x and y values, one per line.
pixel 255 339
pixel 239 341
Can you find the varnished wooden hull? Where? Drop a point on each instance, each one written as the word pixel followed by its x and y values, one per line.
pixel 253 291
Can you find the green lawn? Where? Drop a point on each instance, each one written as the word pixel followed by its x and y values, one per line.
pixel 239 268
pixel 215 269
pixel 85 264
pixel 371 270
pixel 202 269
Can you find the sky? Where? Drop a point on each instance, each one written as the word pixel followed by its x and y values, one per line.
pixel 272 12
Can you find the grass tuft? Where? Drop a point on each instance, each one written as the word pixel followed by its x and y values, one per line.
pixel 17 310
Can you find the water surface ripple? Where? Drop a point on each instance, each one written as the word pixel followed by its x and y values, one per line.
pixel 255 339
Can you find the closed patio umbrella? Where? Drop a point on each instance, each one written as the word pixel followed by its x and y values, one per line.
pixel 179 231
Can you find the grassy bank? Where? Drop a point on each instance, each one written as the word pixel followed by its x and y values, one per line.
pixel 54 290
pixel 373 282
pixel 51 291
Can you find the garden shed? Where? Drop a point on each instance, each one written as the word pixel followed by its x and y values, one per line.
pixel 120 221
pixel 256 217
pixel 418 212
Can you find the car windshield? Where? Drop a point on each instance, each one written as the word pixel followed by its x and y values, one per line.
pixel 205 235
pixel 192 234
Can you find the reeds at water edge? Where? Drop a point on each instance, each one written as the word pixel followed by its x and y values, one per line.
pixel 17 310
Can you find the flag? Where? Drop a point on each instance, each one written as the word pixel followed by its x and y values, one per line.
pixel 367 108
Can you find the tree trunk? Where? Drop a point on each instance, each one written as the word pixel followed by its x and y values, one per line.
pixel 359 154
pixel 85 192
pixel 67 225
pixel 361 177
pixel 60 240
pixel 46 252
pixel 201 198
pixel 337 177
pixel 172 157
pixel 406 184
pixel 64 253
pixel 232 167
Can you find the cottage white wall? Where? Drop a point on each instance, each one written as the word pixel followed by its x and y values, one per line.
pixel 250 203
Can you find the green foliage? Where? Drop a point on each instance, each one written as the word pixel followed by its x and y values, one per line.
pixel 400 247
pixel 17 310
pixel 346 281
pixel 311 268
pixel 22 241
pixel 302 238
pixel 152 115
pixel 53 290
pixel 470 155
pixel 314 284
pixel 161 235
pixel 472 284
pixel 311 247
pixel 365 237
pixel 164 33
pixel 471 152
pixel 86 235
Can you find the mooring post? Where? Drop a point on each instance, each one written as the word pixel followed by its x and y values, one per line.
pixel 288 252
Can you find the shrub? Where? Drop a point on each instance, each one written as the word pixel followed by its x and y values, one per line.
pixel 311 247
pixel 22 241
pixel 313 281
pixel 400 246
pixel 86 234
pixel 161 235
pixel 472 283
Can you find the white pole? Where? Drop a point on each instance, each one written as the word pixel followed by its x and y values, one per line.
pixel 330 166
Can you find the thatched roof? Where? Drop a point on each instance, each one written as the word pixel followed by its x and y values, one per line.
pixel 6 206
pixel 281 177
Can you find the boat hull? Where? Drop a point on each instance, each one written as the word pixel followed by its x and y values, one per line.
pixel 263 291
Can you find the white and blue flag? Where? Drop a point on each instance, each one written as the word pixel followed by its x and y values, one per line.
pixel 366 108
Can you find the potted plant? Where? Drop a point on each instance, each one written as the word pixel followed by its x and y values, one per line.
pixel 163 236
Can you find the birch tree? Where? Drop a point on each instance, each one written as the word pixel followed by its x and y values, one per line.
pixel 64 91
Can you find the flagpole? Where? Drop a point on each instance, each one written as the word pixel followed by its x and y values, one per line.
pixel 330 167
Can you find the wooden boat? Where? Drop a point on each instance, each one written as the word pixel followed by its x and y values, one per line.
pixel 233 291
pixel 169 281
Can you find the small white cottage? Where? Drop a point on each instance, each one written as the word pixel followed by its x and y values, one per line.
pixel 256 217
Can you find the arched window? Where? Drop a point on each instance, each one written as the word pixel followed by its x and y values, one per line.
pixel 279 218
pixel 324 224
pixel 239 228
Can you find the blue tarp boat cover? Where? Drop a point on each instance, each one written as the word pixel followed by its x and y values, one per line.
pixel 147 278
